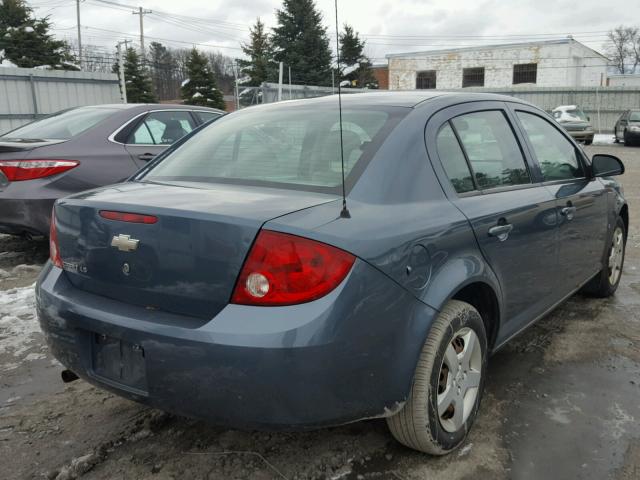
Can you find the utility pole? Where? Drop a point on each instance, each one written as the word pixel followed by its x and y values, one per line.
pixel 79 35
pixel 280 82
pixel 289 83
pixel 123 84
pixel 142 12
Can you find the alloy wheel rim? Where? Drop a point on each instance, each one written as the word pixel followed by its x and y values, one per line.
pixel 459 380
pixel 616 256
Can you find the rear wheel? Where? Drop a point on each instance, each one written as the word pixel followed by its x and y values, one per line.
pixel 588 141
pixel 627 140
pixel 606 282
pixel 448 383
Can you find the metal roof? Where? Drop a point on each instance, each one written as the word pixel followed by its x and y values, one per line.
pixel 560 41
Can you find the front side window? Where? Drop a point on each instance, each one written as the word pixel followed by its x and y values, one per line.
pixel 204 117
pixel 473 77
pixel 280 145
pixel 453 160
pixel 557 156
pixel 162 128
pixel 492 149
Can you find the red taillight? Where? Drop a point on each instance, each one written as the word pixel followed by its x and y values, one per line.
pixel 283 269
pixel 128 217
pixel 54 248
pixel 19 170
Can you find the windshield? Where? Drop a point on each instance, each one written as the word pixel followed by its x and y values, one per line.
pixel 62 125
pixel 634 117
pixel 570 115
pixel 289 145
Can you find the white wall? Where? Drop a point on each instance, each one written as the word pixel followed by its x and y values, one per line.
pixel 624 80
pixel 559 65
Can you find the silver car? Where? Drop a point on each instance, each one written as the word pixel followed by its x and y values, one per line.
pixel 575 122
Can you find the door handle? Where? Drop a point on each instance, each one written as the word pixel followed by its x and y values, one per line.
pixel 145 157
pixel 568 212
pixel 501 232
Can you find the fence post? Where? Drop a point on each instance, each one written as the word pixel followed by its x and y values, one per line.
pixel 34 97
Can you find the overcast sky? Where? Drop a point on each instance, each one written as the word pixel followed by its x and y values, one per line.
pixel 389 26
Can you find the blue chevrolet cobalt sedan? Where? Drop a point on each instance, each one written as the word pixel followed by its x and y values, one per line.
pixel 227 281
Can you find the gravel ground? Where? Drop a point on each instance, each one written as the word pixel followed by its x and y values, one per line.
pixel 562 401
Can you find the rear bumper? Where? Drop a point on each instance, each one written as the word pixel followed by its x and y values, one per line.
pixel 18 216
pixel 347 356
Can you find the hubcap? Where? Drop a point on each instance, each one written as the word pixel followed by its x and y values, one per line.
pixel 459 379
pixel 616 256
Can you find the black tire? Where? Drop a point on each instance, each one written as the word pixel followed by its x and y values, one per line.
pixel 418 424
pixel 602 285
pixel 627 140
pixel 588 142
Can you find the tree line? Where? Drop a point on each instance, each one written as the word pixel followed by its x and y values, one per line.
pixel 299 40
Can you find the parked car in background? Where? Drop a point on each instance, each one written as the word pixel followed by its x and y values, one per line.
pixel 225 281
pixel 627 128
pixel 575 122
pixel 79 149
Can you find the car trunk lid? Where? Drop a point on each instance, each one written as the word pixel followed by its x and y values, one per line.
pixel 187 261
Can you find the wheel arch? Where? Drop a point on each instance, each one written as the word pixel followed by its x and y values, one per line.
pixel 624 214
pixel 483 298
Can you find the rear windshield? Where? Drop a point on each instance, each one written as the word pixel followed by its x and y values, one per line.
pixel 634 117
pixel 62 125
pixel 570 115
pixel 286 145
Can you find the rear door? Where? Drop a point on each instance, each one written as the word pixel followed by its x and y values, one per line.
pixel 485 174
pixel 581 201
pixel 156 131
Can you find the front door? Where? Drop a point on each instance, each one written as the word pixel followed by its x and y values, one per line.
pixel 581 202
pixel 513 216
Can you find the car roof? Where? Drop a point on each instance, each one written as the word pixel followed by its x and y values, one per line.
pixel 399 98
pixel 150 106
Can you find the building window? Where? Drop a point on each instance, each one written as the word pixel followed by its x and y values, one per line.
pixel 525 73
pixel 426 80
pixel 473 77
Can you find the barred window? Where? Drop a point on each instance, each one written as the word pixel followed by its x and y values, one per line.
pixel 473 77
pixel 525 73
pixel 426 80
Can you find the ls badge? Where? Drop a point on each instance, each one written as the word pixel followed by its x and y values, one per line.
pixel 125 243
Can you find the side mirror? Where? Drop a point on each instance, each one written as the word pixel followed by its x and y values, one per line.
pixel 603 165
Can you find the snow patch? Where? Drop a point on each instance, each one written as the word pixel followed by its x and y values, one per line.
pixel 29 29
pixel 18 322
pixel 599 139
pixel 185 82
pixel 197 95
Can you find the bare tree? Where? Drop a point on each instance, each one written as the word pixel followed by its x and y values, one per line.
pixel 623 47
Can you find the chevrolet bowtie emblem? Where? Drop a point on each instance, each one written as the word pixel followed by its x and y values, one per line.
pixel 125 243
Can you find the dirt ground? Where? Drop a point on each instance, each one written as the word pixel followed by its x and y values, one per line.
pixel 562 402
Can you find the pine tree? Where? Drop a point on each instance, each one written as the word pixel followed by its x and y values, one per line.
pixel 163 69
pixel 301 42
pixel 260 67
pixel 139 88
pixel 355 66
pixel 26 42
pixel 200 87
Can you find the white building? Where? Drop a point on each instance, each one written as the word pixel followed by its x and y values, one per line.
pixel 627 80
pixel 553 63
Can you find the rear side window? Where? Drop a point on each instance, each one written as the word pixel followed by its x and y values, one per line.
pixel 453 161
pixel 557 156
pixel 492 149
pixel 204 117
pixel 162 128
